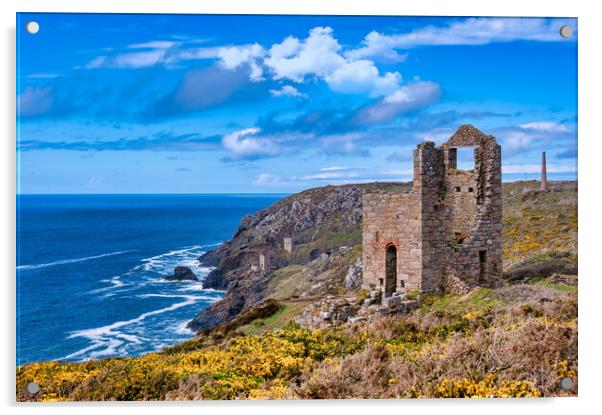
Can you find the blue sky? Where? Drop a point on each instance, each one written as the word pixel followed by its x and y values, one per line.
pixel 235 104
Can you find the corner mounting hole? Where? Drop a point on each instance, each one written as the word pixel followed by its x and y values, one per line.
pixel 566 32
pixel 33 388
pixel 32 27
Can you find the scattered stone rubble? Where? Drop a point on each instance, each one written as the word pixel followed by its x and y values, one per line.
pixel 332 311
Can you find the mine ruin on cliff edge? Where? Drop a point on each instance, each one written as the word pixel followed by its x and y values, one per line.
pixel 445 233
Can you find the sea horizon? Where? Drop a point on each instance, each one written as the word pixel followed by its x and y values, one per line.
pixel 534 178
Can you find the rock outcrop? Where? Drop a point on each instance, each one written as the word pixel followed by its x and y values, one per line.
pixel 181 273
pixel 318 221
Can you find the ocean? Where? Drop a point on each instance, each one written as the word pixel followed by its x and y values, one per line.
pixel 90 269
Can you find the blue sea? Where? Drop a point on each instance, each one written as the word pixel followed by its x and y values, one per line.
pixel 90 269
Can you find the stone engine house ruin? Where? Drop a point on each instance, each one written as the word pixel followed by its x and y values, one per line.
pixel 445 233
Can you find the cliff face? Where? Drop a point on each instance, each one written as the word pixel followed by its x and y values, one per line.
pixel 317 220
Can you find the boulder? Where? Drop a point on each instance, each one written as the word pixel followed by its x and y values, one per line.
pixel 392 301
pixel 181 273
pixel 353 279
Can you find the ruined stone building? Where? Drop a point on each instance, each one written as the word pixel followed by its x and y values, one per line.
pixel 445 233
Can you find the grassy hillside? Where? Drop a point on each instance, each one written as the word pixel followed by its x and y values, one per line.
pixel 513 341
pixel 517 340
pixel 540 230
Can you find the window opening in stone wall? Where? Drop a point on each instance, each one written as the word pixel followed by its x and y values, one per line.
pixel 470 190
pixel 457 189
pixel 465 158
pixel 482 265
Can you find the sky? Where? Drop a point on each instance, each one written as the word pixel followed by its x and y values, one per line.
pixel 110 103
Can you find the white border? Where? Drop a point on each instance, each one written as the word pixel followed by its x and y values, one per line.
pixel 590 137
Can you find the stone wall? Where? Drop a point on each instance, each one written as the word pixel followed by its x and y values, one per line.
pixel 392 219
pixel 447 230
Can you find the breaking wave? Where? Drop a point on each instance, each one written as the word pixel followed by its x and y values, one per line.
pixel 68 261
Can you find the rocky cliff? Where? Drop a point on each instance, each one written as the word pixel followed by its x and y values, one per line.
pixel 317 221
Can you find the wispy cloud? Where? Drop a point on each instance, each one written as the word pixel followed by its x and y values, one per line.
pixel 288 91
pixel 331 175
pixel 524 136
pixel 335 168
pixel 268 180
pixel 472 31
pixel 545 126
pixel 152 53
pixel 405 99
pixel 34 101
pixel 163 141
pixel 536 168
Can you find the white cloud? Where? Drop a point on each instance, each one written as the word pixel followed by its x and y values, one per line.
pixel 287 91
pixel 234 56
pixel 544 126
pixel 362 77
pixel 474 31
pixel 404 99
pixel 287 48
pixel 379 47
pixel 246 144
pixel 318 55
pixel 517 140
pixel 335 168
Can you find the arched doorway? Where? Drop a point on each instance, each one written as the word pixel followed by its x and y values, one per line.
pixel 390 270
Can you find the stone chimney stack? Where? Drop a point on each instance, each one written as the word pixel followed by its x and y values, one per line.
pixel 544 181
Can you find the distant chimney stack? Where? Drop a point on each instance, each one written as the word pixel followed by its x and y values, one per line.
pixel 544 179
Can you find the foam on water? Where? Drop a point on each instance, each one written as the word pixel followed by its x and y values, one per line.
pixel 124 337
pixel 68 261
pixel 113 340
pixel 164 263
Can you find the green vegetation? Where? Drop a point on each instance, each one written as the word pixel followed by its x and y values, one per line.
pixel 539 225
pixel 280 319
pixel 285 282
pixel 412 294
pixel 513 341
pixel 487 343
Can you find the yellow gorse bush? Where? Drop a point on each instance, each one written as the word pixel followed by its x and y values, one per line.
pixel 405 359
pixel 486 388
pixel 238 370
